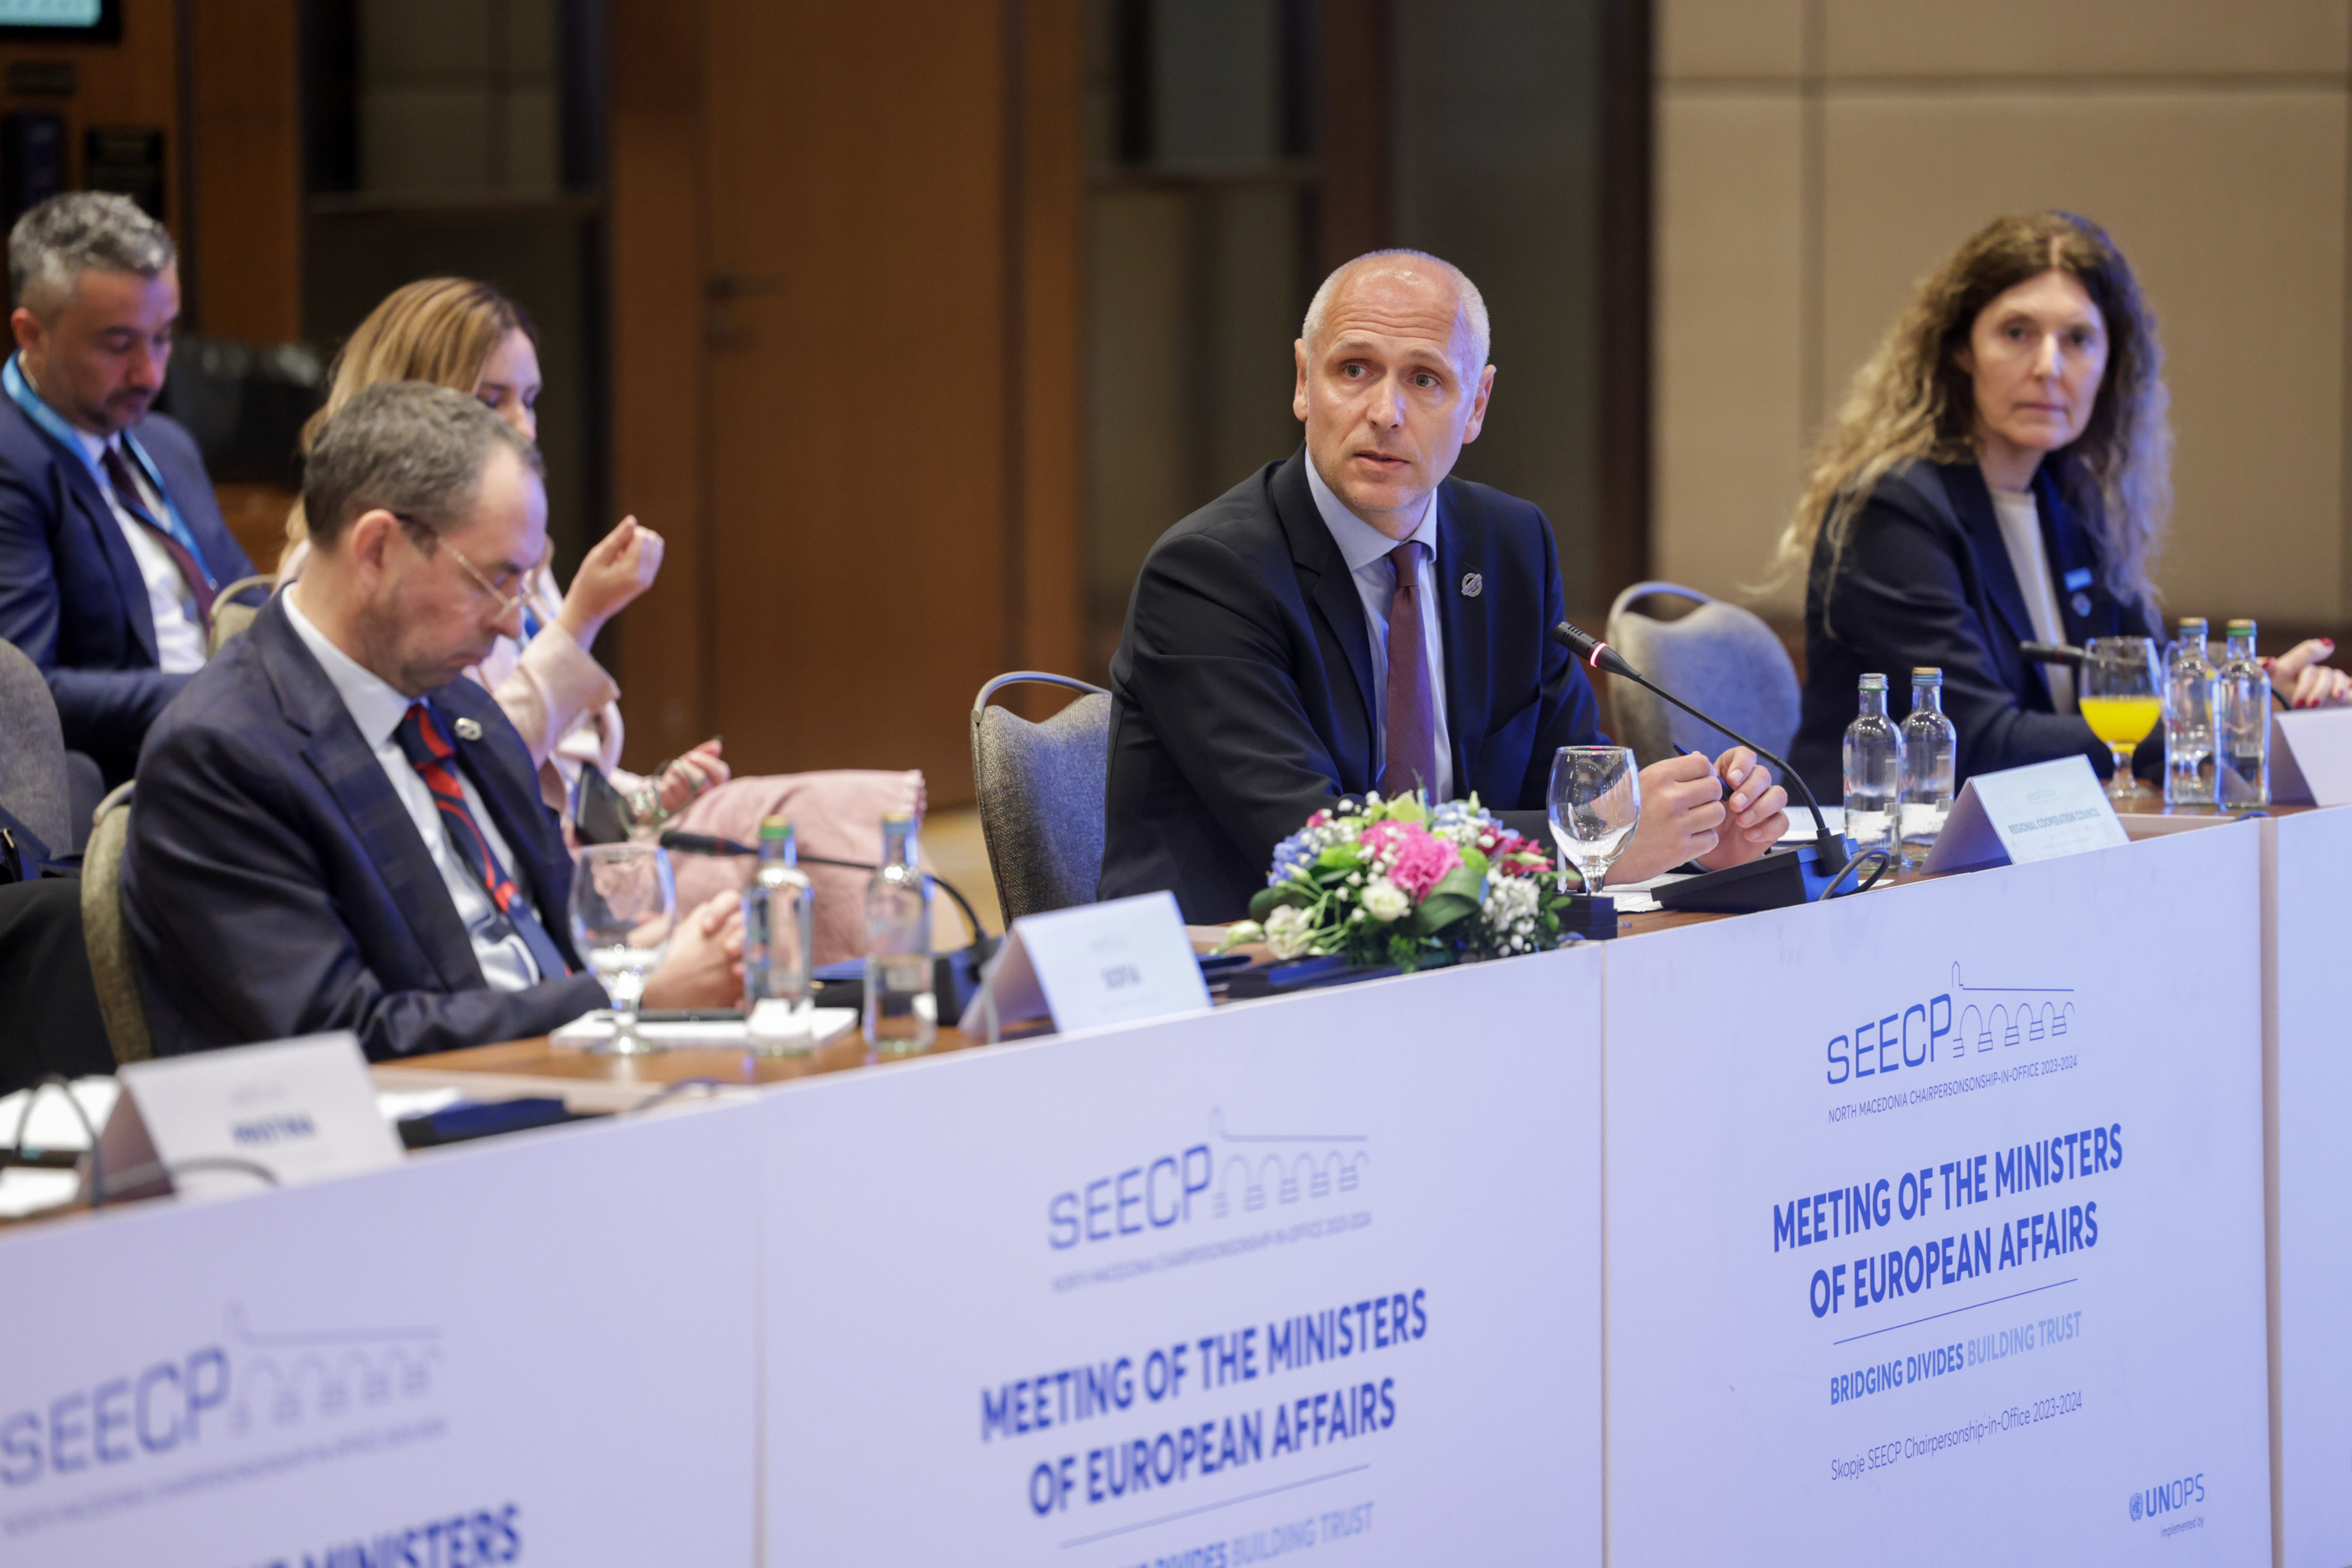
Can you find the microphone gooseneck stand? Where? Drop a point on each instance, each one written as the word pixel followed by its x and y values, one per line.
pixel 1775 880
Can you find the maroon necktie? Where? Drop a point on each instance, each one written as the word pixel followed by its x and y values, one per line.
pixel 135 502
pixel 1411 728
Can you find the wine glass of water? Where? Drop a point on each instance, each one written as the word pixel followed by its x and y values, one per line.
pixel 624 905
pixel 1595 800
pixel 2122 699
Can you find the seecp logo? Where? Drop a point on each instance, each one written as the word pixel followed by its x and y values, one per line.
pixel 1229 1173
pixel 1948 1027
pixel 2168 1497
pixel 245 1384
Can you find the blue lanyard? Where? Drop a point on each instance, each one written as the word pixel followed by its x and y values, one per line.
pixel 41 414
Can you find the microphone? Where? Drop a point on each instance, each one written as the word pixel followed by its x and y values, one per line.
pixel 1766 882
pixel 2053 653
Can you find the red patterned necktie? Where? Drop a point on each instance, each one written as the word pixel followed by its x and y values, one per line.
pixel 1411 732
pixel 430 753
pixel 135 502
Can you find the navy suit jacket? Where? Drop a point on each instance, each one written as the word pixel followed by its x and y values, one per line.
pixel 1242 696
pixel 70 593
pixel 274 885
pixel 1925 578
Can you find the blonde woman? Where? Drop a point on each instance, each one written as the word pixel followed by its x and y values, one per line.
pixel 2000 473
pixel 456 332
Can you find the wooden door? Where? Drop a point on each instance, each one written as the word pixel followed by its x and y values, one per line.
pixel 873 255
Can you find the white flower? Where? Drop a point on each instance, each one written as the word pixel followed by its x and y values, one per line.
pixel 1384 900
pixel 1288 933
pixel 1509 905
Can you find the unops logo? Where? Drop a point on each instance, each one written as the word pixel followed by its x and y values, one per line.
pixel 2168 1497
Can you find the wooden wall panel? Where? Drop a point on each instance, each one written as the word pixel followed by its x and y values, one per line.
pixel 659 407
pixel 244 126
pixel 847 287
pixel 133 82
pixel 1051 209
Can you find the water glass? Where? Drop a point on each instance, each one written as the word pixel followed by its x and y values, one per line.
pixel 2122 699
pixel 1595 800
pixel 624 906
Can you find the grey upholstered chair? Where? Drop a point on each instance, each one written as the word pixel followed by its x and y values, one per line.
pixel 235 606
pixel 119 1001
pixel 1719 657
pixel 34 787
pixel 1041 795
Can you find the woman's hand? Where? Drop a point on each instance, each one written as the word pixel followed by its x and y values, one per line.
pixel 622 565
pixel 2301 681
pixel 689 775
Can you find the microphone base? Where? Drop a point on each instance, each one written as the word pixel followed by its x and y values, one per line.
pixel 1775 880
pixel 1593 918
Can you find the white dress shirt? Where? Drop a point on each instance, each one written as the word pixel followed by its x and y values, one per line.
pixel 179 634
pixel 378 709
pixel 1366 551
pixel 2021 531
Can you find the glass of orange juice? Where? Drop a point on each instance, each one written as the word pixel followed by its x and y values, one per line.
pixel 2122 699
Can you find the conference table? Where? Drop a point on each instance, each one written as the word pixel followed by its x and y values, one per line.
pixel 1992 1212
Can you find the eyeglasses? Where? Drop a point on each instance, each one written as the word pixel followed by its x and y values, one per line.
pixel 429 541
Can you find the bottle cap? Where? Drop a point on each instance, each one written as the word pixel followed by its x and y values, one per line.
pixel 896 818
pixel 1872 683
pixel 1926 675
pixel 2242 628
pixel 775 827
pixel 2192 622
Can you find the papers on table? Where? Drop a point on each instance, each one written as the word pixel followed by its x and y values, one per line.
pixel 1800 822
pixel 826 1024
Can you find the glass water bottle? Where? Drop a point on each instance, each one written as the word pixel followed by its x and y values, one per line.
pixel 2189 675
pixel 2242 724
pixel 1930 751
pixel 901 1013
pixel 778 944
pixel 1873 770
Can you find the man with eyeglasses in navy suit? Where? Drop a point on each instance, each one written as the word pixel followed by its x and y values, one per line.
pixel 334 828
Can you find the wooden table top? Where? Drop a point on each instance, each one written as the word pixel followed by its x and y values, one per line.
pixel 588 1081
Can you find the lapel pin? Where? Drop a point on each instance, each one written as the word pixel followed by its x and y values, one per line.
pixel 468 729
pixel 1473 584
pixel 2081 604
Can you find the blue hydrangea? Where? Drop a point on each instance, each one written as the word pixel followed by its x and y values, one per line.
pixel 1293 856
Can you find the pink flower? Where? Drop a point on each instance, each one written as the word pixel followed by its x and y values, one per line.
pixel 1420 860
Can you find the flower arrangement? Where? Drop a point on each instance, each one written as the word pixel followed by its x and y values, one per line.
pixel 1399 882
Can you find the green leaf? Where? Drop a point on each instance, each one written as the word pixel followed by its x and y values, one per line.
pixel 1476 860
pixel 1289 894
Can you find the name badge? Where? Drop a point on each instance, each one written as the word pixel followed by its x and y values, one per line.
pixel 2311 757
pixel 2078 579
pixel 1117 963
pixel 2020 815
pixel 219 1124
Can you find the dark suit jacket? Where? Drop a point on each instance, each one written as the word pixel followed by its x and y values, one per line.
pixel 1925 578
pixel 70 593
pixel 1242 691
pixel 274 885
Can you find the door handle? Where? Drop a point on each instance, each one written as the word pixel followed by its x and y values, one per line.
pixel 722 286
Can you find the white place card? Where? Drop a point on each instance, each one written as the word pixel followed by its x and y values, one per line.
pixel 2039 812
pixel 302 1111
pixel 2311 757
pixel 1115 962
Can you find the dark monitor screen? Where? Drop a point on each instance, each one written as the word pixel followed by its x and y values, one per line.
pixel 61 21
